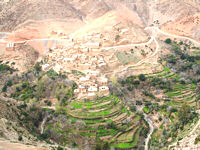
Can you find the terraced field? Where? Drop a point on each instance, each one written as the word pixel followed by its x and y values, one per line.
pixel 177 94
pixel 108 119
pixel 180 93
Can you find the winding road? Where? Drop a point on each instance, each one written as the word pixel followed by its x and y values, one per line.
pixel 175 36
pixel 155 31
pixel 150 132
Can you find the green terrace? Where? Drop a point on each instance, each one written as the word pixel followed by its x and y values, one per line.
pixel 108 119
pixel 180 93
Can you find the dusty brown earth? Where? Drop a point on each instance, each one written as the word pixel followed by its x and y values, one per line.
pixel 36 19
pixel 188 26
pixel 7 145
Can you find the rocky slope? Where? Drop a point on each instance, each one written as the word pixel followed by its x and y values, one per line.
pixel 13 129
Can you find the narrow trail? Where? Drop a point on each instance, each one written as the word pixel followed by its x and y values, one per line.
pixel 150 132
pixel 120 46
pixel 130 45
pixel 43 123
pixel 176 36
pixel 155 30
pixel 34 40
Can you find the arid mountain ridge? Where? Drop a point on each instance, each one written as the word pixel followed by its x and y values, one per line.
pixel 35 19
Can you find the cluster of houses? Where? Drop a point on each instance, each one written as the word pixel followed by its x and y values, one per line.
pixel 90 88
pixel 12 46
pixel 84 58
pixel 74 57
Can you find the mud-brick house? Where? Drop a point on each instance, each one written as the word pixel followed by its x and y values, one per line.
pixel 46 67
pixel 84 79
pixel 10 47
pixel 76 92
pixel 102 81
pixel 93 46
pixel 104 90
pixel 58 68
pixel 82 89
pixel 92 89
pixel 91 95
pixel 93 74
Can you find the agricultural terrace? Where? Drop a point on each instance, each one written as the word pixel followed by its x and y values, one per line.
pixel 178 93
pixel 109 119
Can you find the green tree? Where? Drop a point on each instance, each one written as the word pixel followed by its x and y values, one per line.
pixel 142 77
pixel 37 67
pixel 9 83
pixel 168 41
pixel 20 138
pixel 184 114
pixel 4 89
pixel 59 148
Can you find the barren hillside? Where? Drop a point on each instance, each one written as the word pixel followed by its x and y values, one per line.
pixel 187 26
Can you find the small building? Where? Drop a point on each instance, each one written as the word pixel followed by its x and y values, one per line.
pixel 58 68
pixel 101 64
pixel 92 89
pixel 76 91
pixel 84 79
pixel 102 81
pixel 84 66
pixel 82 88
pixel 124 30
pixel 68 60
pixel 91 95
pixel 92 74
pixel 104 90
pixel 10 47
pixel 45 67
pixel 94 59
pixel 93 45
pixel 85 50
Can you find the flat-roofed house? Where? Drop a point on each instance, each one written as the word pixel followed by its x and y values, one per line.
pixel 91 95
pixel 76 91
pixel 84 66
pixel 58 68
pixel 10 47
pixel 102 81
pixel 82 89
pixel 84 79
pixel 45 67
pixel 92 89
pixel 92 74
pixel 104 90
pixel 93 45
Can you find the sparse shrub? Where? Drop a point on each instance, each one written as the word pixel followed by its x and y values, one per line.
pixel 130 87
pixel 4 67
pixel 37 67
pixel 198 72
pixel 20 138
pixel 160 118
pixel 4 89
pixel 172 59
pixel 59 148
pixel 138 102
pixel 47 102
pixel 52 74
pixel 181 42
pixel 142 77
pixel 168 41
pixel 132 108
pixel 9 83
pixel 117 38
